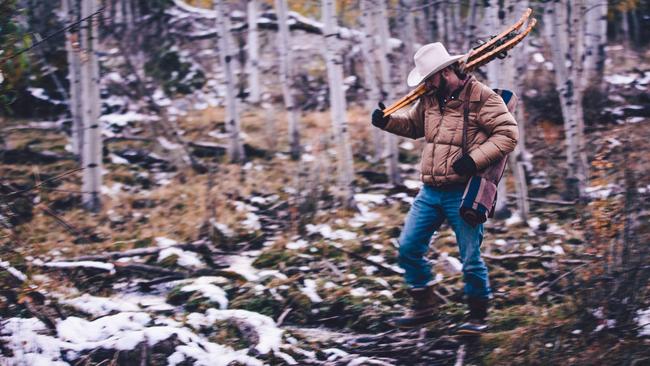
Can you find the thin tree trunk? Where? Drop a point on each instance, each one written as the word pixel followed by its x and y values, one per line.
pixel 567 63
pixel 253 53
pixel 72 46
pixel 373 94
pixel 286 77
pixel 235 146
pixel 470 29
pixel 334 60
pixel 381 19
pixel 92 149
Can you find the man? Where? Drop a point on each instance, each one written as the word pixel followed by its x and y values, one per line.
pixel 438 117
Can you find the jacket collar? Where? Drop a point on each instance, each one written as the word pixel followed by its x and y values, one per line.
pixel 475 93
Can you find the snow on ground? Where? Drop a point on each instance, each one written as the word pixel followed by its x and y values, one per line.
pixel 30 344
pixel 326 232
pixel 99 306
pixel 205 285
pixel 643 320
pixel 83 264
pixel 269 335
pixel 184 258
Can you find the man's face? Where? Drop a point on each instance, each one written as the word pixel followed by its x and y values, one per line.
pixel 433 81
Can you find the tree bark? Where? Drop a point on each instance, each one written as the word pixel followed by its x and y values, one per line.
pixel 373 95
pixel 334 60
pixel 72 46
pixel 92 149
pixel 235 146
pixel 286 77
pixel 564 31
pixel 253 53
pixel 381 18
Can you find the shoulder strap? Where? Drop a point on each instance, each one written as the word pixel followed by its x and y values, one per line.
pixel 468 91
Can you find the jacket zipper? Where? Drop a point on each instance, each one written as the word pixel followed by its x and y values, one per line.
pixel 433 151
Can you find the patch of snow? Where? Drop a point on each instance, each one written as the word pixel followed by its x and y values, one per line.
pixel 412 184
pixel 210 291
pixel 185 258
pixel 359 292
pixel 554 228
pixel 538 57
pixel 252 221
pixel 643 320
pixel 14 272
pixel 124 119
pixel 310 291
pixel 407 145
pixel 298 244
pixel 513 220
pixel 326 232
pixel 164 242
pixel 117 159
pixel 269 335
pixel 99 306
pixel 112 191
pixel 618 79
pixel 168 145
pixel 557 249
pixel 534 222
pixel 368 197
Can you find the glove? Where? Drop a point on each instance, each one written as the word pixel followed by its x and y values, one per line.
pixel 465 166
pixel 378 119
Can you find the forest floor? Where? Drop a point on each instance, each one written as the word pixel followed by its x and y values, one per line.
pixel 257 264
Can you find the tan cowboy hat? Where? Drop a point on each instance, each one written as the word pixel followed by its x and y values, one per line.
pixel 430 59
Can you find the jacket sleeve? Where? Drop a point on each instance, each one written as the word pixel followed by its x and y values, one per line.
pixel 408 124
pixel 501 128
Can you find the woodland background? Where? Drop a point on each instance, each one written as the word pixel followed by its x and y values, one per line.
pixel 198 183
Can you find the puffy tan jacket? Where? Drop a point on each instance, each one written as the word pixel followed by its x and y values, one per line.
pixel 492 132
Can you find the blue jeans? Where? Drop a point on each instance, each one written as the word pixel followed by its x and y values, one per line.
pixel 428 211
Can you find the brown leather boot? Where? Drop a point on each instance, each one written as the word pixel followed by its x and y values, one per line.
pixel 423 309
pixel 476 323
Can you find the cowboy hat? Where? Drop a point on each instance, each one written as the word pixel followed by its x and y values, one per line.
pixel 430 59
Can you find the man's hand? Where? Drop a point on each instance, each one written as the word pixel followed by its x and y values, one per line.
pixel 465 165
pixel 378 119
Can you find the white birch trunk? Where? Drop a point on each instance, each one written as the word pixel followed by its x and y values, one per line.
pixel 381 19
pixel 492 26
pixel 568 69
pixel 235 146
pixel 253 53
pixel 334 60
pixel 470 28
pixel 286 77
pixel 368 47
pixel 92 149
pixel 595 40
pixel 72 46
pixel 518 158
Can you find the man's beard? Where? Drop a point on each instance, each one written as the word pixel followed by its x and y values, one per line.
pixel 442 86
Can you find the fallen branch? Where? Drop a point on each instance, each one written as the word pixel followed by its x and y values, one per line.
pixel 548 201
pixel 382 267
pixel 506 257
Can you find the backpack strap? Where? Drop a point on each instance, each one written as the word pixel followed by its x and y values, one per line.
pixel 468 91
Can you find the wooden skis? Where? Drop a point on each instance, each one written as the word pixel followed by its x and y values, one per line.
pixel 495 47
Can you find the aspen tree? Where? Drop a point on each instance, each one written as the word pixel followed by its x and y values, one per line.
pixel 72 47
pixel 381 19
pixel 334 61
pixel 92 148
pixel 286 77
pixel 373 95
pixel 253 53
pixel 235 146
